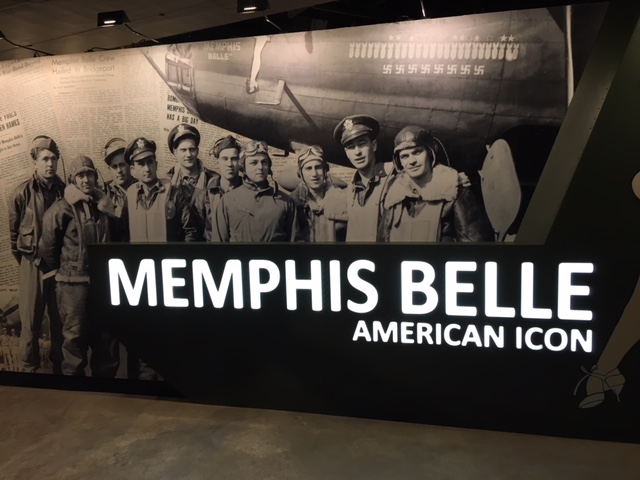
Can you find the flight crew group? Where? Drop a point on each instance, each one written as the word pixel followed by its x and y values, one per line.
pixel 417 200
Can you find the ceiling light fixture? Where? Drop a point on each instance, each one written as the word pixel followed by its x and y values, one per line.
pixel 251 6
pixel 109 19
pixel 40 52
pixel 119 17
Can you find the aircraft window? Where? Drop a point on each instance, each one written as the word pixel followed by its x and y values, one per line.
pixel 180 75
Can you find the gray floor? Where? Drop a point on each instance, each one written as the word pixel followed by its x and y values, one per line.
pixel 48 434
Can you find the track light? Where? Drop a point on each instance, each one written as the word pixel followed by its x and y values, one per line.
pixel 251 6
pixel 119 17
pixel 109 19
pixel 35 50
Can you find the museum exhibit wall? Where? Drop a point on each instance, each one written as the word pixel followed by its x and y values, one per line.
pixel 492 91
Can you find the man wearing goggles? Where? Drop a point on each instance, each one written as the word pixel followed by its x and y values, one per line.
pixel 322 207
pixel 256 211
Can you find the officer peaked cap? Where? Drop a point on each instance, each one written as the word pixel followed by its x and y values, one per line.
pixel 138 149
pixel 179 132
pixel 355 126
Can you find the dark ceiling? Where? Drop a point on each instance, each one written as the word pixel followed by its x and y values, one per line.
pixel 69 26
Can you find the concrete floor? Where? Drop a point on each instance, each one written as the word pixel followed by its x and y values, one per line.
pixel 49 434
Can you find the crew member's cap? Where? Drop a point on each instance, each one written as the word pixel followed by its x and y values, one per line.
pixel 410 137
pixel 179 132
pixel 414 136
pixel 138 149
pixel 113 148
pixel 355 126
pixel 81 164
pixel 224 143
pixel 253 148
pixel 47 143
pixel 310 153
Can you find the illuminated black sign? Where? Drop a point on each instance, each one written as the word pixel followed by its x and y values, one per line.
pixel 428 333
